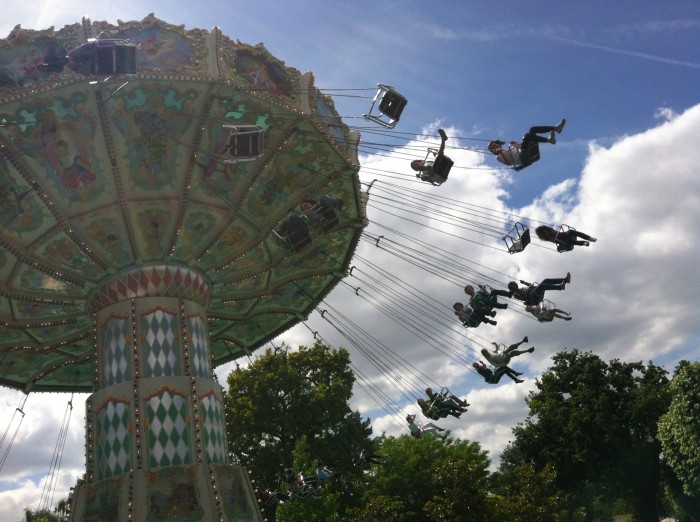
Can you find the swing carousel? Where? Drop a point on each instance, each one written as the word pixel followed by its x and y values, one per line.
pixel 144 184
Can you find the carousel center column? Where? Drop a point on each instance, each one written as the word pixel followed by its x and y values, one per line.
pixel 156 435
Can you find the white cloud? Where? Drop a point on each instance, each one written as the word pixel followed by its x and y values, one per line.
pixel 632 294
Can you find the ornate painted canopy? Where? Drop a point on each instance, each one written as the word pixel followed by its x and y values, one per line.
pixel 103 175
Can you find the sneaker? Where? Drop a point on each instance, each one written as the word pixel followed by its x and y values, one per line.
pixel 560 126
pixel 552 138
pixel 519 381
pixel 587 243
pixel 526 340
pixel 531 349
pixel 567 279
pixel 593 240
pixel 442 134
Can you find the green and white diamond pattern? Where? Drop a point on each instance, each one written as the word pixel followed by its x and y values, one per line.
pixel 115 365
pixel 199 351
pixel 168 435
pixel 213 432
pixel 113 439
pixel 161 347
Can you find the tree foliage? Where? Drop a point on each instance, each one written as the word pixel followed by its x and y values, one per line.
pixel 595 423
pixel 679 428
pixel 428 479
pixel 525 494
pixel 588 450
pixel 289 409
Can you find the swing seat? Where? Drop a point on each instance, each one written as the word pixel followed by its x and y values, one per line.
pixel 297 237
pixel 105 57
pixel 524 157
pixel 245 143
pixel 517 239
pixel 118 59
pixel 389 109
pixel 440 169
pixel 329 218
pixel 563 246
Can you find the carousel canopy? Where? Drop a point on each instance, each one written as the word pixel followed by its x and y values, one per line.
pixel 105 174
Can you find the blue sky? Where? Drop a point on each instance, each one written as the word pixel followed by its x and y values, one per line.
pixel 624 74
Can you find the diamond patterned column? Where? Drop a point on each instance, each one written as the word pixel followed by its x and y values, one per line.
pixel 156 426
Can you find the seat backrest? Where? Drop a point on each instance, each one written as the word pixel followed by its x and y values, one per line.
pixel 245 143
pixel 517 239
pixel 442 166
pixel 392 105
pixel 115 59
pixel 526 156
pixel 125 59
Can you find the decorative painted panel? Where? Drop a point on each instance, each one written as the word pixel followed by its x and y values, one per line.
pixel 113 439
pixel 198 347
pixel 213 430
pixel 161 345
pixel 116 352
pixel 168 434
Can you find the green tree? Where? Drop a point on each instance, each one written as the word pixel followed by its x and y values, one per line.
pixel 679 433
pixel 60 513
pixel 679 429
pixel 286 397
pixel 44 515
pixel 595 423
pixel 528 495
pixel 428 479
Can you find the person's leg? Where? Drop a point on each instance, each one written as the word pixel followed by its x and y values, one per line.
pixel 500 372
pixel 541 129
pixel 443 136
pixel 515 353
pixel 532 135
pixel 561 314
pixel 495 304
pixel 581 235
pixel 514 346
pixel 510 373
pixel 551 284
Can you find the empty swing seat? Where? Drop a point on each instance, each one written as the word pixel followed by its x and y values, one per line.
pixel 118 59
pixel 517 239
pixel 524 157
pixel 245 143
pixel 105 57
pixel 391 105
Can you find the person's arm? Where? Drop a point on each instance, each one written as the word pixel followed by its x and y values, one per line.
pixel 525 283
pixel 503 160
